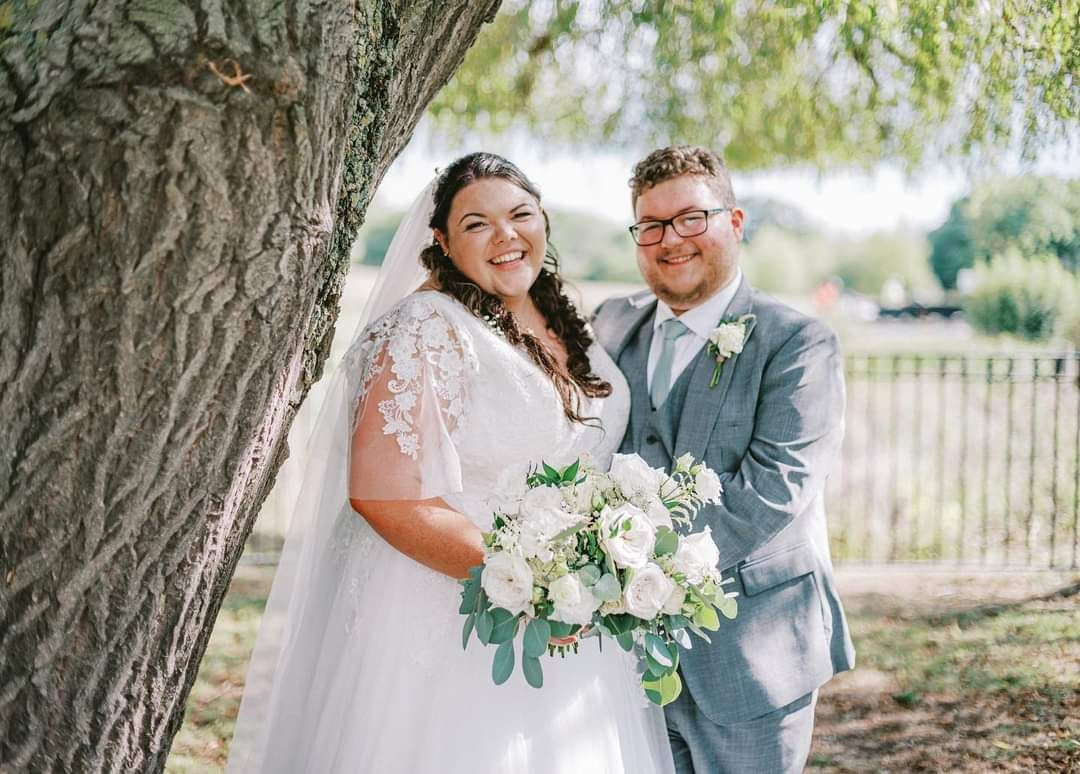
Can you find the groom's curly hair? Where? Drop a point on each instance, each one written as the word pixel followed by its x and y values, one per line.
pixel 677 160
pixel 547 291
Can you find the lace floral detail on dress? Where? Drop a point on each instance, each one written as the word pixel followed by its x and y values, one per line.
pixel 423 352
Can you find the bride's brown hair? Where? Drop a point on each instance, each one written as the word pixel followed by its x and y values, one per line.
pixel 546 292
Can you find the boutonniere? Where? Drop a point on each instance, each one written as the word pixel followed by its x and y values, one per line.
pixel 725 340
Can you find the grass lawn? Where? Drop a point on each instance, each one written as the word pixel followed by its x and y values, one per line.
pixel 202 744
pixel 956 673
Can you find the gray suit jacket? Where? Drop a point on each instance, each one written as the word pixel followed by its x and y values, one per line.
pixel 771 429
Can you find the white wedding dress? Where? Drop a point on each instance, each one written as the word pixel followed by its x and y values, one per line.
pixel 371 675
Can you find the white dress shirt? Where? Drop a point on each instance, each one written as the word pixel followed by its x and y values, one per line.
pixel 700 320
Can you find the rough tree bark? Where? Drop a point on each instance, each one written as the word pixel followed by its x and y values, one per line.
pixel 180 181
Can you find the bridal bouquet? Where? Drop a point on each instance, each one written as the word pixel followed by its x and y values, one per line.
pixel 580 551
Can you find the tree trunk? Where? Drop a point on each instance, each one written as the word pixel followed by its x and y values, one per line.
pixel 179 186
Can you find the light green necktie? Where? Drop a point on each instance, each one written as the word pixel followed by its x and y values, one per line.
pixel 661 381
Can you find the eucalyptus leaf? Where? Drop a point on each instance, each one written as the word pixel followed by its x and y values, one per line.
pixel 484 625
pixel 667 542
pixel 729 608
pixel 534 643
pixel 571 530
pixel 657 650
pixel 533 671
pixel 469 595
pixel 610 564
pixel 625 640
pixel 607 588
pixel 706 618
pixel 589 574
pixel 618 623
pixel 467 629
pixel 682 637
pixel 503 664
pixel 652 691
pixel 504 625
pixel 559 628
pixel 663 691
pixel 700 632
pixel 651 675
pixel 676 622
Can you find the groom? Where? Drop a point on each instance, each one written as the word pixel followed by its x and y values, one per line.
pixel 770 426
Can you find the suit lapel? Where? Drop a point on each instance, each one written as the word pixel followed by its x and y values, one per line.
pixel 637 313
pixel 703 404
pixel 633 359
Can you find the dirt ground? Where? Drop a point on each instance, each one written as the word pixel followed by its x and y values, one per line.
pixel 877 719
pixel 956 672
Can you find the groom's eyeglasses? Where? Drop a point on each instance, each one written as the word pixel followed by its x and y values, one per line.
pixel 686 224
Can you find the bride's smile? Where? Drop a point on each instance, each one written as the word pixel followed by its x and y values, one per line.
pixel 509 260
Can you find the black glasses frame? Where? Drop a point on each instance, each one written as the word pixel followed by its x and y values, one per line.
pixel 635 230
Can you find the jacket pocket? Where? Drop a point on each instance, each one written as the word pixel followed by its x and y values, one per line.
pixel 769 571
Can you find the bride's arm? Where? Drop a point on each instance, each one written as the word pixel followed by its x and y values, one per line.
pixel 429 531
pixel 403 455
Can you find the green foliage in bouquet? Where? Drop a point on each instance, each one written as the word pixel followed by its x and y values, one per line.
pixel 575 555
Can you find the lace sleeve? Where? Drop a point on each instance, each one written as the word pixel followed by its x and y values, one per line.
pixel 410 404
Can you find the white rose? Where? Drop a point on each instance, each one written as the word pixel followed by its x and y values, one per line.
pixel 696 556
pixel 648 591
pixel 674 603
pixel 684 462
pixel 580 496
pixel 508 582
pixel 630 546
pixel 537 527
pixel 659 515
pixel 574 603
pixel 633 475
pixel 544 498
pixel 707 485
pixel 509 489
pixel 728 338
pixel 618 607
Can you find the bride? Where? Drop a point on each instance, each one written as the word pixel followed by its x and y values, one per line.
pixel 474 364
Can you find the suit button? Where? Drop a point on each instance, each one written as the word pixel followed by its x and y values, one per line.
pixel 651 439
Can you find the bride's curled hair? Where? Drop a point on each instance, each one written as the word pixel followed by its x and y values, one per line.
pixel 547 291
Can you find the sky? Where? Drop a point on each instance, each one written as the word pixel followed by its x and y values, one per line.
pixel 853 202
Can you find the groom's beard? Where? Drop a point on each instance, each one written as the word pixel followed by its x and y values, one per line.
pixel 678 296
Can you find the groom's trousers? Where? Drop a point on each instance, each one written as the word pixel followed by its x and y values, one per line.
pixel 776 743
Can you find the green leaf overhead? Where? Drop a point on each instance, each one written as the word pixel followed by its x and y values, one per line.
pixel 771 83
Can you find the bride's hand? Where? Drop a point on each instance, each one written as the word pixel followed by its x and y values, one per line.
pixel 561 641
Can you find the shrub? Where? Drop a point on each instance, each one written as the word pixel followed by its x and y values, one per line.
pixel 1071 329
pixel 778 261
pixel 1030 298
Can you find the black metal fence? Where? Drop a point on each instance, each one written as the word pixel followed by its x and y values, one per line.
pixel 960 459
